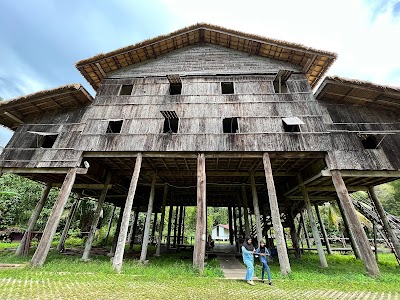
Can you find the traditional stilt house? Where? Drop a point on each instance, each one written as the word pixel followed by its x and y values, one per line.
pixel 207 116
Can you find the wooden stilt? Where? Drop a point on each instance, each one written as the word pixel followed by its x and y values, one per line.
pixel 245 211
pixel 294 237
pixel 145 243
pixel 161 227
pixel 201 217
pixel 299 226
pixel 183 225
pixel 314 228
pixel 275 216
pixel 230 225
pixel 176 225
pixel 322 226
pixel 32 221
pixel 234 224
pixel 154 228
pixel 129 238
pixel 119 250
pixel 303 223
pixel 241 232
pixel 354 224
pixel 134 228
pixel 375 241
pixel 63 237
pixel 256 207
pixel 96 217
pixel 117 231
pixel 180 225
pixel 171 210
pixel 43 248
pixel 109 224
pixel 382 215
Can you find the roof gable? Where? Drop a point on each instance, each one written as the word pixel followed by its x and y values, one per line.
pixel 314 63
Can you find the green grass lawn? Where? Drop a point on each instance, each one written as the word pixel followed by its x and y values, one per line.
pixel 171 276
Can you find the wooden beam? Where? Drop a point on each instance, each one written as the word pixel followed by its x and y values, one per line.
pixel 43 248
pixel 276 219
pixel 171 210
pixel 60 246
pixel 92 186
pixel 134 227
pixel 305 230
pixel 322 226
pixel 230 225
pixel 16 119
pixel 332 188
pixel 357 173
pixel 42 170
pixel 201 230
pixel 119 251
pixel 161 227
pixel 256 207
pixel 246 212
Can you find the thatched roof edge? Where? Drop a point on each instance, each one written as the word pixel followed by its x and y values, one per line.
pixel 363 83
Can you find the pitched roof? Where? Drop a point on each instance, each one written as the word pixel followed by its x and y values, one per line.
pixel 313 62
pixel 13 112
pixel 358 92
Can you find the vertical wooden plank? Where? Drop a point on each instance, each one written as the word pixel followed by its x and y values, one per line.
pixel 314 228
pixel 322 226
pixel 145 243
pixel 95 221
pixel 161 227
pixel 275 216
pixel 60 246
pixel 171 210
pixel 119 250
pixel 200 238
pixel 245 211
pixel 180 225
pixel 43 248
pixel 382 214
pixel 355 225
pixel 33 219
pixel 230 225
pixel 256 207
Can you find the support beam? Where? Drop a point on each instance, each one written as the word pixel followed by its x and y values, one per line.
pixel 145 243
pixel 180 224
pixel 382 215
pixel 256 208
pixel 43 248
pixel 275 216
pixel 322 226
pixel 117 231
pixel 95 221
pixel 119 251
pixel 109 224
pixel 201 216
pixel 24 245
pixel 230 225
pixel 246 211
pixel 153 229
pixel 304 225
pixel 375 241
pixel 63 237
pixel 294 237
pixel 240 232
pixel 234 230
pixel 161 227
pixel 176 224
pixel 355 225
pixel 171 210
pixel 134 227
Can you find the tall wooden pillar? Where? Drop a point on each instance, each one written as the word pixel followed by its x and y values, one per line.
pixel 117 231
pixel 382 215
pixel 161 227
pixel 153 229
pixel 245 211
pixel 354 224
pixel 314 228
pixel 32 221
pixel 275 216
pixel 183 224
pixel 180 224
pixel 63 237
pixel 294 237
pixel 96 217
pixel 145 243
pixel 230 225
pixel 256 207
pixel 171 210
pixel 201 217
pixel 109 224
pixel 176 224
pixel 303 224
pixel 375 240
pixel 119 250
pixel 134 227
pixel 322 226
pixel 234 223
pixel 240 215
pixel 43 248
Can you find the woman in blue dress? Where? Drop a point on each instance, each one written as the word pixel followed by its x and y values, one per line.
pixel 248 251
pixel 263 253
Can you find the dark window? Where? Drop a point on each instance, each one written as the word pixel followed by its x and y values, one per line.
pixel 126 90
pixel 114 126
pixel 171 125
pixel 282 88
pixel 227 87
pixel 48 141
pixel 230 125
pixel 292 124
pixel 369 141
pixel 175 88
pixel 291 128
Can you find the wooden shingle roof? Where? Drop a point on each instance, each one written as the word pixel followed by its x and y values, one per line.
pixel 314 63
pixel 13 112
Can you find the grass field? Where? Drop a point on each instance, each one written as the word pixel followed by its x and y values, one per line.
pixel 171 276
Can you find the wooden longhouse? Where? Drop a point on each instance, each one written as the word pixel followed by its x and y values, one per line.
pixel 207 116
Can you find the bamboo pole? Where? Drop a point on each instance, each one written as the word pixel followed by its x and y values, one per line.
pixel 161 227
pixel 43 248
pixel 322 226
pixel 60 246
pixel 256 207
pixel 32 221
pixel 119 250
pixel 245 212
pixel 275 215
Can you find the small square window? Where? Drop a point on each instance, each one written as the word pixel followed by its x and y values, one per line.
pixel 282 88
pixel 230 125
pixel 369 141
pixel 227 88
pixel 292 124
pixel 48 141
pixel 171 121
pixel 114 126
pixel 126 90
pixel 175 88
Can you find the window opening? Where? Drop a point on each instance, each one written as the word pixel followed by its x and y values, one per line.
pixel 230 125
pixel 292 124
pixel 175 84
pixel 227 87
pixel 114 126
pixel 280 80
pixel 369 141
pixel 171 122
pixel 45 139
pixel 126 90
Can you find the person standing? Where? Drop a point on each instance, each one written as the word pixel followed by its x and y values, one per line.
pixel 263 254
pixel 248 251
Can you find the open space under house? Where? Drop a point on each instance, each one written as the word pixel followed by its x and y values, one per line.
pixel 208 116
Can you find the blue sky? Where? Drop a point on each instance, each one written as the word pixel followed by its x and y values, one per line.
pixel 41 40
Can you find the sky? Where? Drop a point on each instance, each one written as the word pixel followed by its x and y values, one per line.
pixel 41 40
